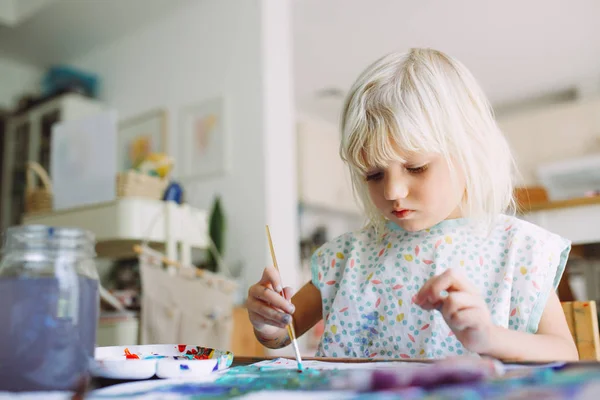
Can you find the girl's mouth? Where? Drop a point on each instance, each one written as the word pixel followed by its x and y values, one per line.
pixel 402 213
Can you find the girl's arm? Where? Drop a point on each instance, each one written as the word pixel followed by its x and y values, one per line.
pixel 307 313
pixel 553 340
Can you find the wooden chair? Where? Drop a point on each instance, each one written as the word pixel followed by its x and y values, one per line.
pixel 582 319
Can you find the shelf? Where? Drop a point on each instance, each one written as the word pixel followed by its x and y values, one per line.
pixel 120 224
pixel 576 219
pixel 551 205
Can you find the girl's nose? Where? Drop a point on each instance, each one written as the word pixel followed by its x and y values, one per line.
pixel 395 187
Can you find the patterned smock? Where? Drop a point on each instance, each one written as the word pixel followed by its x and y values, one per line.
pixel 367 284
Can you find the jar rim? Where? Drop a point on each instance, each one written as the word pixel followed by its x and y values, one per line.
pixel 43 237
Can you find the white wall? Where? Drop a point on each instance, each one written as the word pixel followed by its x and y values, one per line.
pixel 15 79
pixel 212 48
pixel 7 12
pixel 27 8
pixel 12 12
pixel 552 133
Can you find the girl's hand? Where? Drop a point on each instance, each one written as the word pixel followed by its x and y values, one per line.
pixel 463 308
pixel 269 312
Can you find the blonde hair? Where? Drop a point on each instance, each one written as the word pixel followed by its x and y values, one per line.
pixel 426 101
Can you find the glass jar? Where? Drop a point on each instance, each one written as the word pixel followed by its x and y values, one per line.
pixel 49 304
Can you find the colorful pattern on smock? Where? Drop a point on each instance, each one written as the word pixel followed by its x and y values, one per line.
pixel 367 284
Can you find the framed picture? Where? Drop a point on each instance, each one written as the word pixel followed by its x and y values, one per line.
pixel 204 140
pixel 140 136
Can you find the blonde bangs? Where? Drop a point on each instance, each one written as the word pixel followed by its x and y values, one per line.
pixel 390 128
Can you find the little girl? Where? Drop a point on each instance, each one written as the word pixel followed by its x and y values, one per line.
pixel 438 270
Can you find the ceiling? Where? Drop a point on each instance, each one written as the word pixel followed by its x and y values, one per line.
pixel 63 29
pixel 516 49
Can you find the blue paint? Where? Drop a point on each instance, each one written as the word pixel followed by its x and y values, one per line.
pixel 186 389
pixel 278 368
pixel 184 367
pixel 160 357
pixel 153 357
pixel 270 368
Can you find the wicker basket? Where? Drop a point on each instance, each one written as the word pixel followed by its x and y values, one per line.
pixel 135 184
pixel 37 199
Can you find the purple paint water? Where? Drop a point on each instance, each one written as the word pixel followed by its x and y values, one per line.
pixel 45 342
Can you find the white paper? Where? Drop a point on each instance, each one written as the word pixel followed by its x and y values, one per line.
pixel 83 164
pixel 285 363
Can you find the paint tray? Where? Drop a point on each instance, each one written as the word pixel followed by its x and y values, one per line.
pixel 162 360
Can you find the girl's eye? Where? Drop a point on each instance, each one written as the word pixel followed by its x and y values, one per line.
pixel 417 170
pixel 375 176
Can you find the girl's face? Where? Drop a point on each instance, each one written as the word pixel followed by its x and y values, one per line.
pixel 417 194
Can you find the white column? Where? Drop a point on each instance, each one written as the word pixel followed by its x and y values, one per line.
pixel 281 196
pixel 280 137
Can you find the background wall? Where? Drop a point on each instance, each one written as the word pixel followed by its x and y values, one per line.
pixel 552 133
pixel 17 77
pixel 212 48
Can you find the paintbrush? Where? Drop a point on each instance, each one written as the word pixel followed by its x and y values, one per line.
pixel 290 327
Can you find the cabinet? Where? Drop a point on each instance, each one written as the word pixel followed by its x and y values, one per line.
pixel 243 341
pixel 27 137
pixel 576 220
pixel 323 178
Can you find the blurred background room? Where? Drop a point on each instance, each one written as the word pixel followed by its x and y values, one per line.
pixel 190 124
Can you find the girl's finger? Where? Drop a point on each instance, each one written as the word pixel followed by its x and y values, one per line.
pixel 466 318
pixel 271 277
pixel 269 296
pixel 457 301
pixel 437 288
pixel 288 293
pixel 257 320
pixel 260 308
